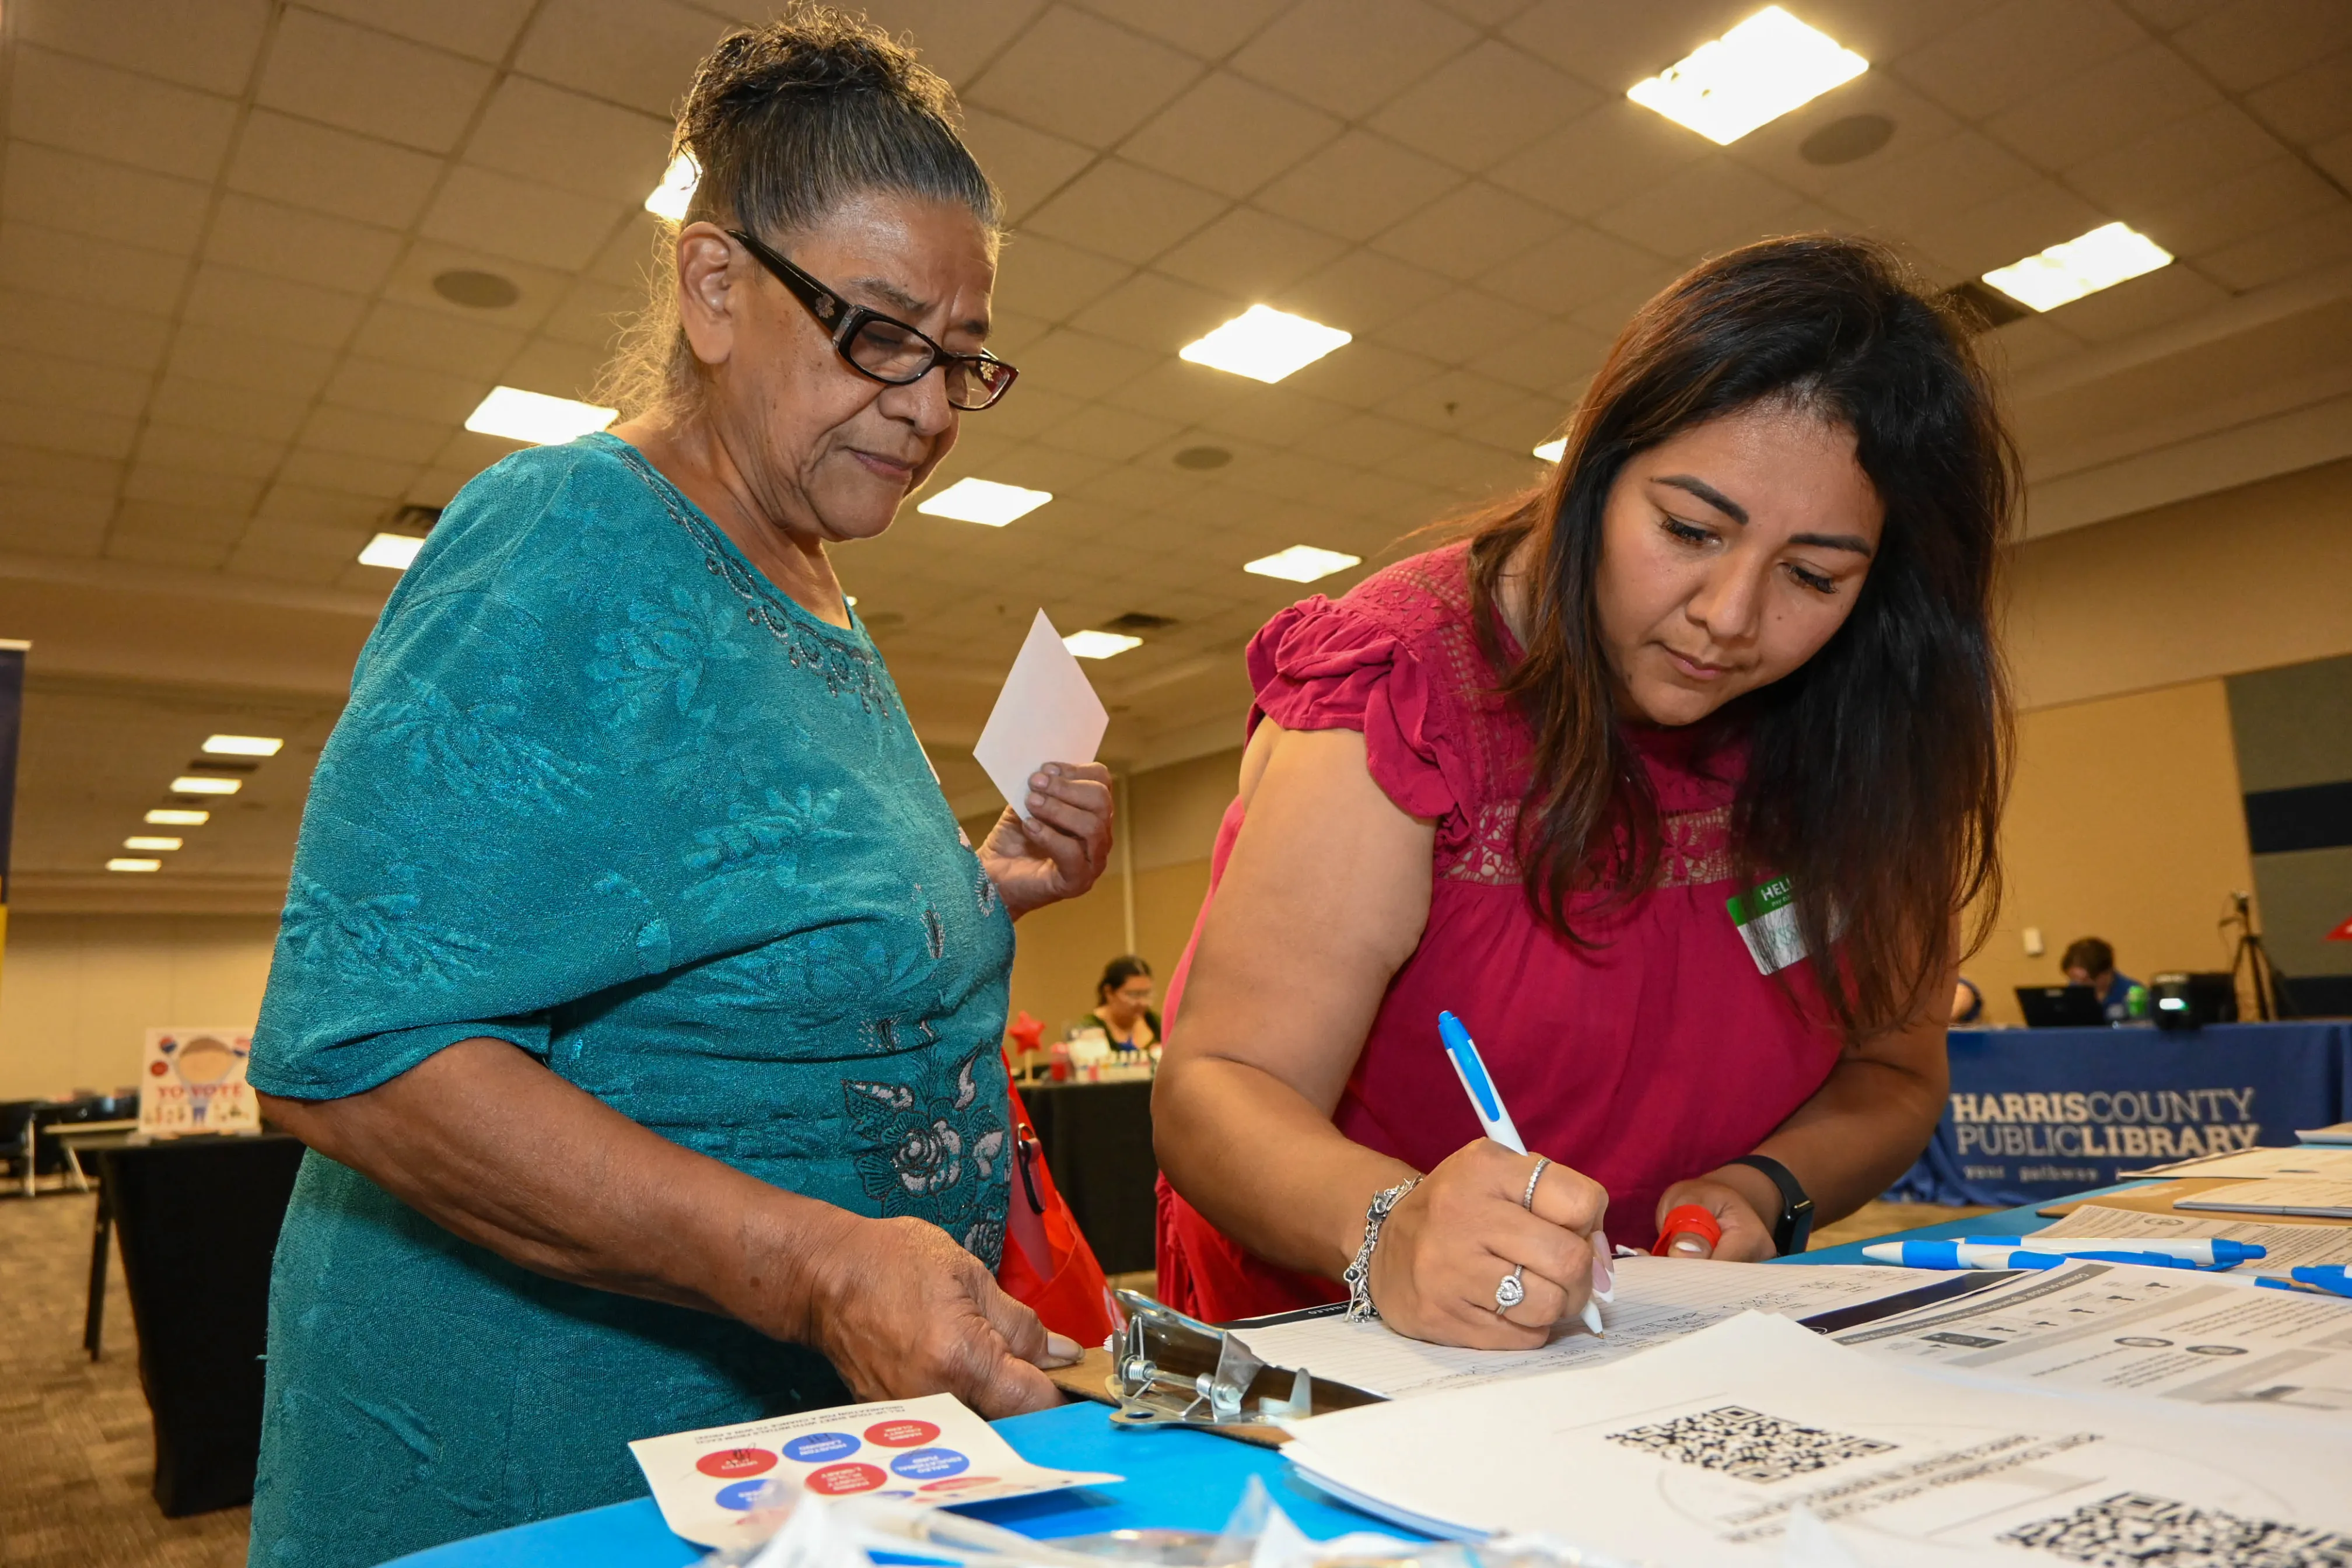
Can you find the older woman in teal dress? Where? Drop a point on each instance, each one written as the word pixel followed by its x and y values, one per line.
pixel 638 993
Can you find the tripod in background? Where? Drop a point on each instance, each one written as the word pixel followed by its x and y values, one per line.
pixel 2270 993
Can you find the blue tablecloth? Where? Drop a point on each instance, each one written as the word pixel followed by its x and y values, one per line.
pixel 2036 1114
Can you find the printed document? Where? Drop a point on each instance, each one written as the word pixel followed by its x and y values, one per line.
pixel 2287 1245
pixel 2174 1338
pixel 1658 1298
pixel 1710 1450
pixel 2337 1163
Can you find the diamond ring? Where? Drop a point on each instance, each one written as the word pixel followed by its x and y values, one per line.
pixel 1512 1290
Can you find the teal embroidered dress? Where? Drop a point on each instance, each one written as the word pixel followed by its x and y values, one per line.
pixel 603 792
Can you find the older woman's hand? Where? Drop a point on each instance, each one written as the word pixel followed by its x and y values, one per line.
pixel 1060 852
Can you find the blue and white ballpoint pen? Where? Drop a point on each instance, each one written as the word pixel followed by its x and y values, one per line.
pixel 1488 1106
pixel 2204 1251
pixel 1963 1255
pixel 2326 1278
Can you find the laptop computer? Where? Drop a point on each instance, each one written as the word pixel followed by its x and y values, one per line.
pixel 2060 1006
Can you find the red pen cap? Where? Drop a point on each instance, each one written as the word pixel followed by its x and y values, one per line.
pixel 1688 1218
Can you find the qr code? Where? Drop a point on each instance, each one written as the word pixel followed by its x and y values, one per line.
pixel 2132 1530
pixel 1746 1444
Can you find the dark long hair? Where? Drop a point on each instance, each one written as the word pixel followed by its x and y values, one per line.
pixel 1876 771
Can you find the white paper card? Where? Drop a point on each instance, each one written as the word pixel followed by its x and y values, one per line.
pixel 929 1452
pixel 1046 713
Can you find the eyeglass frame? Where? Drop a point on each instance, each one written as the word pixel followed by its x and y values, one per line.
pixel 824 304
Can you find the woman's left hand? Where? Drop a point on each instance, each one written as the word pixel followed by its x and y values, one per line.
pixel 1747 1238
pixel 1063 848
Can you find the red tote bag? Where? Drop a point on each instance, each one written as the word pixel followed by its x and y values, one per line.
pixel 1049 1267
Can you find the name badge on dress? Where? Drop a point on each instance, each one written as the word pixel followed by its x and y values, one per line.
pixel 1767 921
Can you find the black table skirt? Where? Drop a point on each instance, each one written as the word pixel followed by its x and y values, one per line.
pixel 1098 1143
pixel 197 1219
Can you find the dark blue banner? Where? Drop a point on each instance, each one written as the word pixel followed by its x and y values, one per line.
pixel 2040 1113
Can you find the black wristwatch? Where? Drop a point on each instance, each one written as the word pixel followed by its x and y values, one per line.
pixel 1795 1226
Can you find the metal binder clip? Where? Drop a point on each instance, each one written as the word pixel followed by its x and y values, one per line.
pixel 1169 1369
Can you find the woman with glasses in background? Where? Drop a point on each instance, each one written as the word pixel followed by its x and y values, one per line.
pixel 637 994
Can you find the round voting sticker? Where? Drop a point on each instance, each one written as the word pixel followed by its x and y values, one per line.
pixel 929 1464
pixel 737 1495
pixel 727 1464
pixel 958 1483
pixel 834 1480
pixel 819 1446
pixel 901 1434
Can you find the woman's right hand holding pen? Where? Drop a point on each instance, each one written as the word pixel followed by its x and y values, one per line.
pixel 1453 1239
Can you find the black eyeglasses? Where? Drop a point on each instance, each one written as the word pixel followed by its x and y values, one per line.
pixel 880 347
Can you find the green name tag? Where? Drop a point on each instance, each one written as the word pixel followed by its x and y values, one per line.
pixel 1767 919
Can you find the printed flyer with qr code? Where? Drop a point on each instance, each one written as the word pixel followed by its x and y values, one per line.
pixel 712 1486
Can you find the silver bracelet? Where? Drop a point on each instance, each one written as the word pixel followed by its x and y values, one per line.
pixel 1358 1277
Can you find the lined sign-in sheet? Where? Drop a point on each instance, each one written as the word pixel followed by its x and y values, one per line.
pixel 1658 1298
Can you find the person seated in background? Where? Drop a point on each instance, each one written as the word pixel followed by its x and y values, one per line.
pixel 2091 962
pixel 1123 1005
pixel 1967 1002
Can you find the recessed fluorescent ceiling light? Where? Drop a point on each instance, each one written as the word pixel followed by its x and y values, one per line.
pixel 1552 451
pixel 171 819
pixel 242 745
pixel 984 501
pixel 125 863
pixel 147 841
pixel 1100 645
pixel 198 783
pixel 397 551
pixel 669 198
pixel 1302 563
pixel 2099 259
pixel 1265 344
pixel 1758 71
pixel 534 416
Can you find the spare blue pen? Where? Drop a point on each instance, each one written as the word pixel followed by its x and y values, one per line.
pixel 2205 1251
pixel 2316 1288
pixel 1966 1255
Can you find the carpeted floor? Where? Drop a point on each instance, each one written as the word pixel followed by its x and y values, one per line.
pixel 75 1451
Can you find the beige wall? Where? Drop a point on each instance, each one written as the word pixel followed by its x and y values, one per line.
pixel 78 993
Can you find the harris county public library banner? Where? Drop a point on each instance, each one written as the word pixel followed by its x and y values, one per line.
pixel 2036 1114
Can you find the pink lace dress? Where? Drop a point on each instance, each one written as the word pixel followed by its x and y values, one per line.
pixel 1654 1056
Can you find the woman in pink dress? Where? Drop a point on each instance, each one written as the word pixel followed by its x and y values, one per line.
pixel 1598 779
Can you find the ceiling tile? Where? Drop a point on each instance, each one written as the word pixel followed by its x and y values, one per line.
pixel 207 406
pixel 83 195
pixel 1555 358
pixel 243 360
pixel 563 369
pixel 302 164
pixel 1026 165
pixel 55 523
pixel 209 451
pixel 639 53
pixel 67 430
pixel 404 390
pixel 1995 59
pixel 483 29
pixel 292 506
pixel 128 338
pixel 209 46
pixel 1119 209
pixel 953 38
pixel 1452 404
pixel 1569 269
pixel 538 289
pixel 2259 41
pixel 231 298
pixel 1456 328
pixel 286 242
pixel 1881 33
pixel 1601 159
pixel 1482 105
pixel 1366 439
pixel 594 314
pixel 1044 277
pixel 571 141
pixel 2173 160
pixel 119 276
pixel 1205 27
pixel 1712 202
pixel 1114 433
pixel 2153 300
pixel 1079 364
pixel 1154 312
pixel 1080 76
pixel 2253 202
pixel 2017 224
pixel 1363 374
pixel 1613 45
pixel 1953 175
pixel 2312 104
pixel 366 434
pixel 166 540
pixel 1390 45
pixel 1469 229
pixel 381 478
pixel 521 218
pixel 1777 149
pixel 1362 292
pixel 2288 251
pixel 371 82
pixel 73 383
pixel 1357 186
pixel 643 244
pixel 2335 156
pixel 1250 255
pixel 31 468
pixel 1176 389
pixel 194 488
pixel 2107 106
pixel 1607 314
pixel 1230 134
pixel 70 103
pixel 431 340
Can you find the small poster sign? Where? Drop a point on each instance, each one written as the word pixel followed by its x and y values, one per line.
pixel 193 1082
